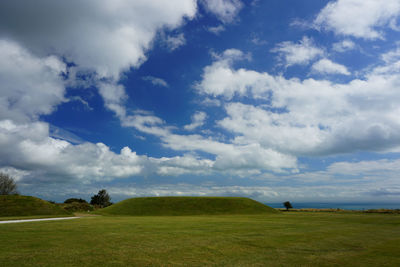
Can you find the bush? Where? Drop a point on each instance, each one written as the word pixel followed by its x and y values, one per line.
pixel 77 206
pixel 71 200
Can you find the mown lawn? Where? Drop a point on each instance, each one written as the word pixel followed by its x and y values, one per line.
pixel 287 239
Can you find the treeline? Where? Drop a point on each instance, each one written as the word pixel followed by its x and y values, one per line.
pixel 101 200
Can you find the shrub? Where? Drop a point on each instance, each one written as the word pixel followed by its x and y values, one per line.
pixel 77 206
pixel 71 200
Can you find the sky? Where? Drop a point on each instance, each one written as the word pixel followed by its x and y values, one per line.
pixel 275 100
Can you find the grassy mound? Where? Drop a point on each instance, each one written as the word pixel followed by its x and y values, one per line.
pixel 15 205
pixel 186 206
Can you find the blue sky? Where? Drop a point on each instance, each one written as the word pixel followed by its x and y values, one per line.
pixel 275 100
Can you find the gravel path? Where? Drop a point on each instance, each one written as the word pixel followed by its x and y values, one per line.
pixel 38 220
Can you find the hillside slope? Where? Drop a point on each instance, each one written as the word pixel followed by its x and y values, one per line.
pixel 186 206
pixel 15 205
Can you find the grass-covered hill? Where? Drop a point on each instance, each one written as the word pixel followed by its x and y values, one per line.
pixel 154 206
pixel 16 205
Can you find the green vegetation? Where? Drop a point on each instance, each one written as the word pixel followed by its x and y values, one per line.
pixel 7 185
pixel 287 205
pixel 72 200
pixel 282 239
pixel 186 206
pixel 77 206
pixel 101 199
pixel 15 205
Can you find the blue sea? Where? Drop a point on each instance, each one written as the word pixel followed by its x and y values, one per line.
pixel 346 206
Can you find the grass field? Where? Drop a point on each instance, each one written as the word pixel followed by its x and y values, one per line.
pixel 178 206
pixel 285 239
pixel 16 205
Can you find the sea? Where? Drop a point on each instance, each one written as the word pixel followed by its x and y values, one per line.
pixel 345 206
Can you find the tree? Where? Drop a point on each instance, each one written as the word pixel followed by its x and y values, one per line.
pixel 7 185
pixel 287 205
pixel 102 199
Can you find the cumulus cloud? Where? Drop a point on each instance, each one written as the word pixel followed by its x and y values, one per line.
pixel 106 37
pixel 358 18
pixel 30 86
pixel 27 149
pixel 225 10
pixel 326 66
pixel 308 117
pixel 220 79
pixel 300 53
pixel 228 157
pixel 101 38
pixel 102 44
pixel 197 121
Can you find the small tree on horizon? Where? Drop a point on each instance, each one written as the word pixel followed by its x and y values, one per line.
pixel 102 199
pixel 287 205
pixel 7 185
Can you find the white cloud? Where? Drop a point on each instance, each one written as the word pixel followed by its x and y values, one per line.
pixel 211 102
pixel 225 10
pixel 383 167
pixel 308 117
pixel 114 97
pixel 343 46
pixel 298 53
pixel 326 66
pixel 80 100
pixel 183 164
pixel 219 79
pixel 14 173
pixel 146 123
pixel 217 29
pixel 257 41
pixel 30 86
pixel 255 192
pixel 198 120
pixel 358 18
pixel 231 157
pixel 156 81
pixel 102 36
pixel 174 42
pixel 27 150
pixel 392 56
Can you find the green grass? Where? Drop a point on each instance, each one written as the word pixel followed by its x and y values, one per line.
pixel 173 206
pixel 283 239
pixel 17 206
